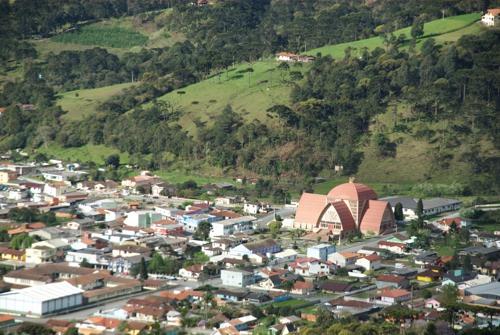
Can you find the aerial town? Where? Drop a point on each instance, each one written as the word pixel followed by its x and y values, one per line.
pixel 249 167
pixel 103 256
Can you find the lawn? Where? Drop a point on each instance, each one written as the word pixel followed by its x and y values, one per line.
pixel 249 93
pixel 382 189
pixel 293 303
pixel 444 250
pixel 86 153
pixel 81 103
pixel 103 35
pixel 451 25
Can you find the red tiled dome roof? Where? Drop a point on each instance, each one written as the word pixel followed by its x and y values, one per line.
pixel 352 191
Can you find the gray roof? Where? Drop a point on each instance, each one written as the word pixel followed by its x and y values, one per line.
pixel 488 291
pixel 439 202
pixel 407 202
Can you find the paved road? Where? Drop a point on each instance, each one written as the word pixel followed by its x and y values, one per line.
pixel 373 242
pixel 284 212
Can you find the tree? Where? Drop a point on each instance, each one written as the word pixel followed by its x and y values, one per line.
pixel 398 212
pixel 203 231
pixel 71 331
pixel 274 228
pixel 28 328
pixel 420 213
pixel 467 263
pixel 85 264
pixel 448 299
pixel 143 269
pixel 113 161
pixel 417 28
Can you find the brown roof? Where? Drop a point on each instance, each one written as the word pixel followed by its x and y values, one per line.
pixel 302 285
pixel 225 213
pixel 6 318
pixel 345 216
pixel 394 293
pixel 373 216
pixel 352 191
pixel 106 322
pixel 310 208
pixel 89 278
pixel 494 11
pixel 373 257
pixel 391 278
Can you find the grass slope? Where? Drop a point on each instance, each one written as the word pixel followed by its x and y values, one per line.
pixel 103 36
pixel 249 93
pixel 86 153
pixel 436 29
pixel 81 103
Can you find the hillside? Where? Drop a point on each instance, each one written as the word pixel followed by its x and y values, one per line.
pixel 251 95
pixel 117 35
pixel 443 30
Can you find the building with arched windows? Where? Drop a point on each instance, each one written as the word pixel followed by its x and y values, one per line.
pixel 347 208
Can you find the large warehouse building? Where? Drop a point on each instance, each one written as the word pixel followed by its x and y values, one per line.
pixel 41 300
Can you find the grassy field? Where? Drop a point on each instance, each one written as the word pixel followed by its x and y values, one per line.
pixel 87 153
pixel 117 35
pixel 451 27
pixel 249 93
pixel 81 103
pixel 103 36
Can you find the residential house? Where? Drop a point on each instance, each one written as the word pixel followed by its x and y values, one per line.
pixel 285 256
pixel 343 259
pixel 394 295
pixel 369 262
pixel 192 272
pixel 457 276
pixel 427 258
pixel 308 266
pixel 291 57
pixel 302 288
pixel 397 248
pixel 142 219
pixel 174 318
pixel 232 226
pixel 321 251
pixel 262 247
pixel 491 18
pixel 432 304
pixel 394 281
pixel 234 296
pixel 191 221
pixel 236 278
pixel 430 275
pixel 335 287
pixel 12 254
pixel 167 227
pixel 80 224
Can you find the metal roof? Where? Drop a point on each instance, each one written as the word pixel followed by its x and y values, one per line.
pixel 46 292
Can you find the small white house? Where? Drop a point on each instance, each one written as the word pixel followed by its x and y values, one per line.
pixel 491 18
pixel 369 262
pixel 236 278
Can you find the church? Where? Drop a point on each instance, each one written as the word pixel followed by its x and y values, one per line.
pixel 347 208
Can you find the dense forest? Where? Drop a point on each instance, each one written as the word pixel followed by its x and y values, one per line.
pixel 332 103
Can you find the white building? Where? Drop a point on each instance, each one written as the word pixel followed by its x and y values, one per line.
pixel 491 18
pixel 321 251
pixel 236 278
pixel 41 300
pixel 142 219
pixel 242 224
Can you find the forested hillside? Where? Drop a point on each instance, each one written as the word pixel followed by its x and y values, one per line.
pixel 357 110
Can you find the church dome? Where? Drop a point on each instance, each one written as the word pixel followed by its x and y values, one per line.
pixel 351 191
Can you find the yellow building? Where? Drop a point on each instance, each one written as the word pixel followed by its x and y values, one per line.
pixel 429 276
pixel 12 254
